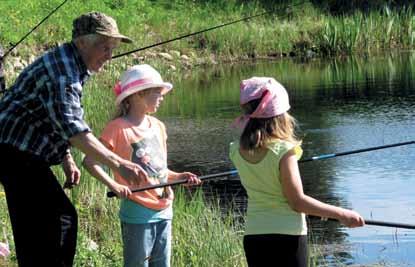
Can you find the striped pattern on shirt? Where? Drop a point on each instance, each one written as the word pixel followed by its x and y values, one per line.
pixel 42 110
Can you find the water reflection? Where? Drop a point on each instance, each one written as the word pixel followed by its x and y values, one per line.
pixel 342 104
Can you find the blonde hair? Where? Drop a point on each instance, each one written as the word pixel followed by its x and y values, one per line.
pixel 259 132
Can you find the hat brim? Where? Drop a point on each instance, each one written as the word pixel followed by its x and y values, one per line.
pixel 166 88
pixel 123 38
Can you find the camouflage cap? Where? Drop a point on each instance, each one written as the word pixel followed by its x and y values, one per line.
pixel 97 23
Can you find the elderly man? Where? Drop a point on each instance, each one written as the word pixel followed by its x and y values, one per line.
pixel 41 117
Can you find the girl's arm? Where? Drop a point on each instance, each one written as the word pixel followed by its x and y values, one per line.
pixel 293 190
pixel 191 178
pixel 95 169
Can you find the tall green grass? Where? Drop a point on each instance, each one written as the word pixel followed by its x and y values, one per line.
pixel 358 32
pixel 201 235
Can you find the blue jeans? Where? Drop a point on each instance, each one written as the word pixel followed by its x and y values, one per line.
pixel 147 245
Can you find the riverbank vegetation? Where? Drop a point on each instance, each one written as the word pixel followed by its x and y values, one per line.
pixel 201 236
pixel 290 28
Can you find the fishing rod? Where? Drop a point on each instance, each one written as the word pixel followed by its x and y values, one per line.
pixel 201 31
pixel 24 37
pixel 2 57
pixel 182 181
pixel 327 156
pixel 234 172
pixel 374 222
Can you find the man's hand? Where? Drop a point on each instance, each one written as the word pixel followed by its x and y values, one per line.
pixel 72 173
pixel 132 172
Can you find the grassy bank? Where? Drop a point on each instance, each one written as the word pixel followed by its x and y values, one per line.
pixel 300 30
pixel 200 237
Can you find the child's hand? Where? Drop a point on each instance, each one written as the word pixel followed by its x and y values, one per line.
pixel 120 190
pixel 351 218
pixel 191 178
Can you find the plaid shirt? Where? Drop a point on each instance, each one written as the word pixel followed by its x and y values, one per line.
pixel 42 110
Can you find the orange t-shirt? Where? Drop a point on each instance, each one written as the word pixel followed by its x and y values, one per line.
pixel 146 147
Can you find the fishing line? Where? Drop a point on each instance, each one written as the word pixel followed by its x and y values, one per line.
pixel 2 57
pixel 202 31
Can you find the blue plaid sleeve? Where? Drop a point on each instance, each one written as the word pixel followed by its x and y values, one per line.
pixel 64 107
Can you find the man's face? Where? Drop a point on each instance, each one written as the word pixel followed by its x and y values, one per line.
pixel 96 54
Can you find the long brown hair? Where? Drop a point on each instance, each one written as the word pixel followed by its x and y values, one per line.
pixel 258 132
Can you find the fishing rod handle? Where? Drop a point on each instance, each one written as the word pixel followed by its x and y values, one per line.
pixel 111 194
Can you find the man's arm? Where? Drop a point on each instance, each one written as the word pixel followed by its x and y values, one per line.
pixel 93 148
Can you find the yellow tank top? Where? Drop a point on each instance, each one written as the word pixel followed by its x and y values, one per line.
pixel 268 210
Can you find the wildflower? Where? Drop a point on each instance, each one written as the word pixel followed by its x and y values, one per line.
pixel 4 249
pixel 91 245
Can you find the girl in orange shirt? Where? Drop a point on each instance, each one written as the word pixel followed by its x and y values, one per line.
pixel 139 137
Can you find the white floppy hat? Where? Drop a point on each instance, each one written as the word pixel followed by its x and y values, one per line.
pixel 138 78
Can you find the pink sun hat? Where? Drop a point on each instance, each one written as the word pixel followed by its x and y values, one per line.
pixel 274 98
pixel 138 78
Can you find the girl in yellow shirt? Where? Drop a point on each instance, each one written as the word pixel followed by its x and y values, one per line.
pixel 266 159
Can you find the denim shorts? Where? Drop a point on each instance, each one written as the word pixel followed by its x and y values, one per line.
pixel 147 245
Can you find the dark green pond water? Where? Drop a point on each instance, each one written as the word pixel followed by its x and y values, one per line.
pixel 342 105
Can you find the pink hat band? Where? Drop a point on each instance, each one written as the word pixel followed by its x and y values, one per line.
pixel 118 89
pixel 138 78
pixel 274 98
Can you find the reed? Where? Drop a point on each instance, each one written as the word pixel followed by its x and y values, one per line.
pixel 377 30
